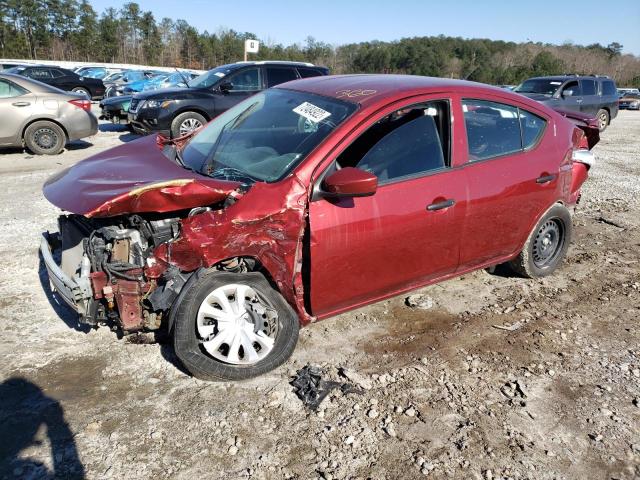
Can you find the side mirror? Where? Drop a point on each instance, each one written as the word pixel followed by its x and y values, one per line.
pixel 350 182
pixel 225 87
pixel 567 93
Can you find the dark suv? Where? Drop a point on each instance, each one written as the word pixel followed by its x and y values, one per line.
pixel 591 94
pixel 179 111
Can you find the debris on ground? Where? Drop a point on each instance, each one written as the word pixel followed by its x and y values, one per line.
pixel 309 386
pixel 419 301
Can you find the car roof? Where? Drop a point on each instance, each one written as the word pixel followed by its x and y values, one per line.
pixel 373 88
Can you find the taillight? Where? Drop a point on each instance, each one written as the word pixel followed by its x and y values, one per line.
pixel 82 103
pixel 583 143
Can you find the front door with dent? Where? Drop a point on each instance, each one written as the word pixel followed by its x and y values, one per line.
pixel 366 248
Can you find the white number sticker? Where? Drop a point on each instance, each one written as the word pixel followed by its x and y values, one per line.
pixel 311 112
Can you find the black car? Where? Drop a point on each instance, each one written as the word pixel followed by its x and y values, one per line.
pixel 115 109
pixel 178 111
pixel 63 79
pixel 591 94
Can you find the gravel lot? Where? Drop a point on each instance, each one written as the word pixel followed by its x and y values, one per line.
pixel 494 377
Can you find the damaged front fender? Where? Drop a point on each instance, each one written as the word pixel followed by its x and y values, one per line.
pixel 267 224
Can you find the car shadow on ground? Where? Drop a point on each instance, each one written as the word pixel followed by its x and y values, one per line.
pixel 113 127
pixel 24 410
pixel 78 145
pixel 64 312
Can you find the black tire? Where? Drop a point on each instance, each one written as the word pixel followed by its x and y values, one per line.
pixel 204 366
pixel 603 119
pixel 547 244
pixel 82 91
pixel 44 138
pixel 179 123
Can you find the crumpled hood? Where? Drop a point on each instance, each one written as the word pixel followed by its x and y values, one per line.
pixel 132 178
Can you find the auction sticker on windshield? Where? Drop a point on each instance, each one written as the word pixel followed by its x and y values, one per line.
pixel 311 112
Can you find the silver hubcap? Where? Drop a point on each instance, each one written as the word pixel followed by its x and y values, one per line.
pixel 236 326
pixel 81 91
pixel 45 138
pixel 603 120
pixel 189 125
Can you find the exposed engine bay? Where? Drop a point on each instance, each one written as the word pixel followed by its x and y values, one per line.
pixel 118 280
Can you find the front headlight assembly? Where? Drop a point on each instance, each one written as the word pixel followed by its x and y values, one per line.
pixel 157 103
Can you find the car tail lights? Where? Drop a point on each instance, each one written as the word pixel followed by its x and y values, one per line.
pixel 82 103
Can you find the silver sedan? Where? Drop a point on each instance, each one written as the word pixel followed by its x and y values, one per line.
pixel 41 117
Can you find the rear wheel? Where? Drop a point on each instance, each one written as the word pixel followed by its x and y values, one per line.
pixel 603 119
pixel 546 246
pixel 186 123
pixel 44 138
pixel 82 91
pixel 234 326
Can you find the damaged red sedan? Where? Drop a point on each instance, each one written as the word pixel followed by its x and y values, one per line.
pixel 308 200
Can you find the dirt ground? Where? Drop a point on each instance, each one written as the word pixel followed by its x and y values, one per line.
pixel 493 377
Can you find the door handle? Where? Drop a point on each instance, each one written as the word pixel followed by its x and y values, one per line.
pixel 441 205
pixel 545 179
pixel 578 100
pixel 21 104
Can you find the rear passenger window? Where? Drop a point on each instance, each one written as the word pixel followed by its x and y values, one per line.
pixel 408 142
pixel 532 128
pixel 495 129
pixel 588 87
pixel 609 88
pixel 277 75
pixel 308 72
pixel 9 89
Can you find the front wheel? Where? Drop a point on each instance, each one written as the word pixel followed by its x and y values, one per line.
pixel 603 119
pixel 233 326
pixel 186 123
pixel 547 244
pixel 45 138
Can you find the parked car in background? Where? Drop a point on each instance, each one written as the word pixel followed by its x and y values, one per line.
pixel 629 101
pixel 63 79
pixel 177 111
pixel 7 66
pixel 176 79
pixel 594 95
pixel 115 109
pixel 116 87
pixel 40 116
pixel 623 91
pixel 308 200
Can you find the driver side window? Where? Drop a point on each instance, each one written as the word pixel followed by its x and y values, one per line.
pixel 574 86
pixel 411 141
pixel 246 81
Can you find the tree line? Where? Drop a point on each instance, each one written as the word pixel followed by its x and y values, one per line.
pixel 73 30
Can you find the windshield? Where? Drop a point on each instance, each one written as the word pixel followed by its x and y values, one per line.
pixel 211 77
pixel 264 137
pixel 542 86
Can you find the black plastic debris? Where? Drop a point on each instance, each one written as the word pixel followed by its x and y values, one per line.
pixel 312 390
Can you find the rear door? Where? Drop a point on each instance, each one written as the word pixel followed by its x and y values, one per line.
pixel 16 106
pixel 590 98
pixel 280 74
pixel 512 176
pixel 404 235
